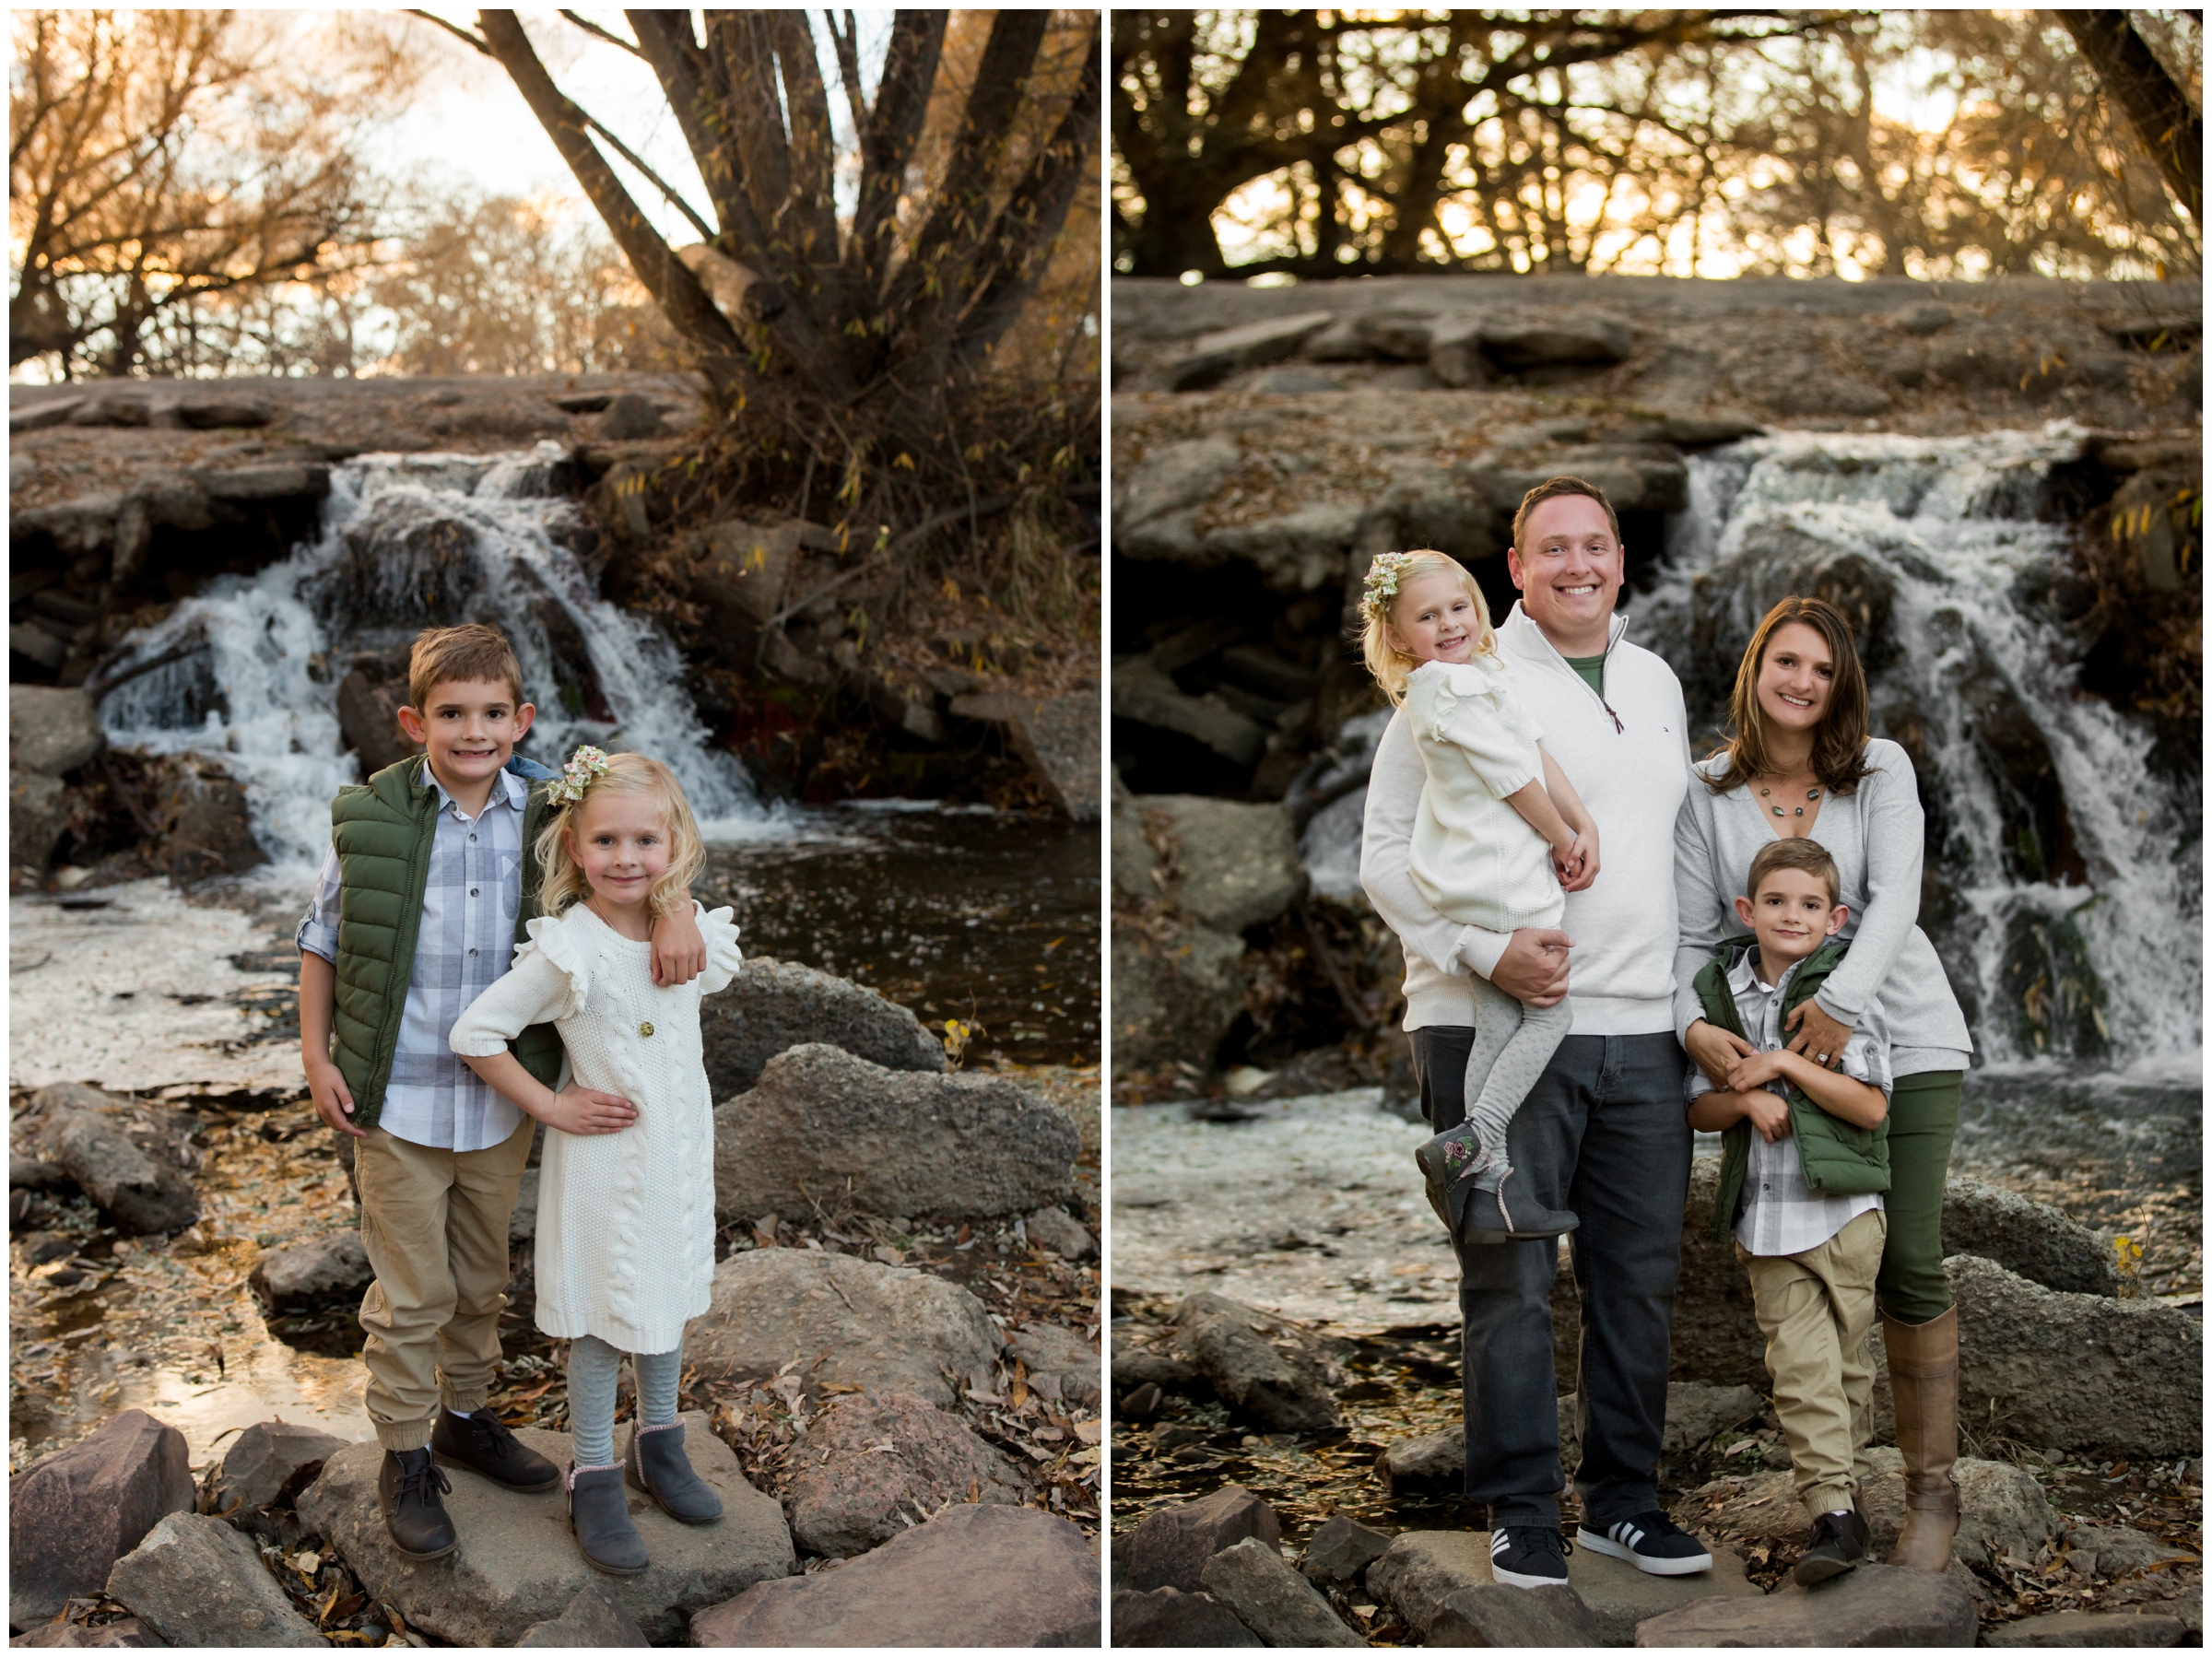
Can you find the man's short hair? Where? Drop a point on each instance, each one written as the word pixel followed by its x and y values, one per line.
pixel 1806 854
pixel 444 654
pixel 1552 488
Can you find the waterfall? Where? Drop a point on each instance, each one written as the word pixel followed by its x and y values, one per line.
pixel 409 542
pixel 2064 870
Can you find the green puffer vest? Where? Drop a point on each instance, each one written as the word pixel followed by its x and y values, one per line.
pixel 382 830
pixel 1838 1158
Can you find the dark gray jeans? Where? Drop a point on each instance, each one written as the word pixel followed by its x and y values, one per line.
pixel 1603 1134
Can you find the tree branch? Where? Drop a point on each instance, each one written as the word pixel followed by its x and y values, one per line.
pixel 612 40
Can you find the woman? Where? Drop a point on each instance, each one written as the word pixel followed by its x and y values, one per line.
pixel 1802 765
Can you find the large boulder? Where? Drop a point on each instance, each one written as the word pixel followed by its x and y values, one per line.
pixel 972 1576
pixel 270 1460
pixel 141 1194
pixel 1873 1605
pixel 876 1460
pixel 1257 1363
pixel 1057 738
pixel 71 1517
pixel 1175 999
pixel 772 1006
pixel 518 1567
pixel 1168 1616
pixel 851 1321
pixel 49 730
pixel 2032 1239
pixel 821 1121
pixel 322 1271
pixel 1338 1554
pixel 1143 695
pixel 1214 356
pixel 2131 1382
pixel 1170 1547
pixel 207 826
pixel 1240 863
pixel 1253 1579
pixel 1171 477
pixel 195 1581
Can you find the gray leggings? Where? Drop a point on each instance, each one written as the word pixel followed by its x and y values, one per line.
pixel 592 1366
pixel 1514 1042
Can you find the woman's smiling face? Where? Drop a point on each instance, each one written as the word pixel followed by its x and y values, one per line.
pixel 1795 677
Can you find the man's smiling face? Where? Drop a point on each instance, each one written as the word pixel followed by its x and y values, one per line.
pixel 1569 571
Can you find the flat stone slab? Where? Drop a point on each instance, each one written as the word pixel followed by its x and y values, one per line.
pixel 1873 1605
pixel 518 1565
pixel 2107 1630
pixel 1424 1568
pixel 972 1576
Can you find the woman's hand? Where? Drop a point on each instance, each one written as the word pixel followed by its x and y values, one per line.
pixel 1712 1049
pixel 1578 862
pixel 581 1111
pixel 1819 1037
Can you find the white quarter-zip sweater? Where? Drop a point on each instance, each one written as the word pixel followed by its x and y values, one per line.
pixel 1628 755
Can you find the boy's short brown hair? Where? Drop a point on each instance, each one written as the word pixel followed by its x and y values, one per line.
pixel 444 654
pixel 1551 490
pixel 1806 854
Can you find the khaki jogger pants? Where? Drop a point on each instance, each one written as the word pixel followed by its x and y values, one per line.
pixel 1817 1310
pixel 434 1225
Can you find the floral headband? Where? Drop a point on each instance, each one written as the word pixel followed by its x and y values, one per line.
pixel 585 764
pixel 1381 586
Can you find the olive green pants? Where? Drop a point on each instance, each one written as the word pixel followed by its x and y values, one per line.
pixel 1924 1119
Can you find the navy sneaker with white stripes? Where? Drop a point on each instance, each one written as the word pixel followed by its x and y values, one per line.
pixel 1529 1556
pixel 1652 1541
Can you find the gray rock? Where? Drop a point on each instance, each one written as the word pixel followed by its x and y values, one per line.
pixel 2132 1380
pixel 2109 1630
pixel 1212 357
pixel 878 1462
pixel 1494 1615
pixel 774 1006
pixel 1170 1547
pixel 821 1121
pixel 1238 861
pixel 864 1325
pixel 1573 336
pixel 1922 319
pixel 38 808
pixel 1341 341
pixel 2118 1550
pixel 627 417
pixel 1424 1568
pixel 972 1576
pixel 126 1631
pixel 1171 477
pixel 1873 1605
pixel 1048 1349
pixel 207 827
pixel 1302 551
pixel 743 571
pixel 267 483
pixel 48 731
pixel 140 1193
pixel 195 1581
pixel 1253 1580
pixel 1242 1353
pixel 1174 1000
pixel 2029 1238
pixel 1148 697
pixel 369 724
pixel 266 1458
pixel 522 1221
pixel 1143 1366
pixel 1401 336
pixel 71 1517
pixel 1340 1551
pixel 322 1271
pixel 1295 382
pixel 1168 1616
pixel 519 1566
pixel 594 1617
pixel 1456 356
pixel 1056 736
pixel 56 413
pixel 1132 859
pixel 1056 1229
pixel 1428 506
pixel 211 413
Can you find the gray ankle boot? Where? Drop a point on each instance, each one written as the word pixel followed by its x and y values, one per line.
pixel 656 1463
pixel 599 1514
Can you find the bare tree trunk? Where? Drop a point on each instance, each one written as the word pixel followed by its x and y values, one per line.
pixel 2156 108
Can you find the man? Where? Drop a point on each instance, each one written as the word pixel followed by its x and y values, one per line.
pixel 1602 1132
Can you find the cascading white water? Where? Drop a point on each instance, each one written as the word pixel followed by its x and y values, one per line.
pixel 406 541
pixel 2074 874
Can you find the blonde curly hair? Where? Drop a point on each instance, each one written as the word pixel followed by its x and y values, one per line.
pixel 564 887
pixel 1390 666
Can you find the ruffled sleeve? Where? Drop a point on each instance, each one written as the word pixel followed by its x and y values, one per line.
pixel 546 984
pixel 723 958
pixel 1470 705
pixel 567 953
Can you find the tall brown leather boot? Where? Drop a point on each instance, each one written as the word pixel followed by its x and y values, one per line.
pixel 1924 1379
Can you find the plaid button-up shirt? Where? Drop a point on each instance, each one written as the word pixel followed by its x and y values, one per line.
pixel 1780 1212
pixel 465 945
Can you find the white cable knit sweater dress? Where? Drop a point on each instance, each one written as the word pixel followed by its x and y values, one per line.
pixel 624 1221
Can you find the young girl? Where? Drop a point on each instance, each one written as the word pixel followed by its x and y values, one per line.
pixel 1497 818
pixel 625 1219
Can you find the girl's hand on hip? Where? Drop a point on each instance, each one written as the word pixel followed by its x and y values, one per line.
pixel 1712 1049
pixel 577 1110
pixel 1819 1037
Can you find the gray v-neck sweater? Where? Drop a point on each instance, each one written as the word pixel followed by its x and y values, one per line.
pixel 1875 835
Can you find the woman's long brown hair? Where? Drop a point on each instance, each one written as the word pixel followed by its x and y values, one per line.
pixel 1840 742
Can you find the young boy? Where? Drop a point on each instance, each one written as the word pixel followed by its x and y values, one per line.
pixel 423 899
pixel 1807 1161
